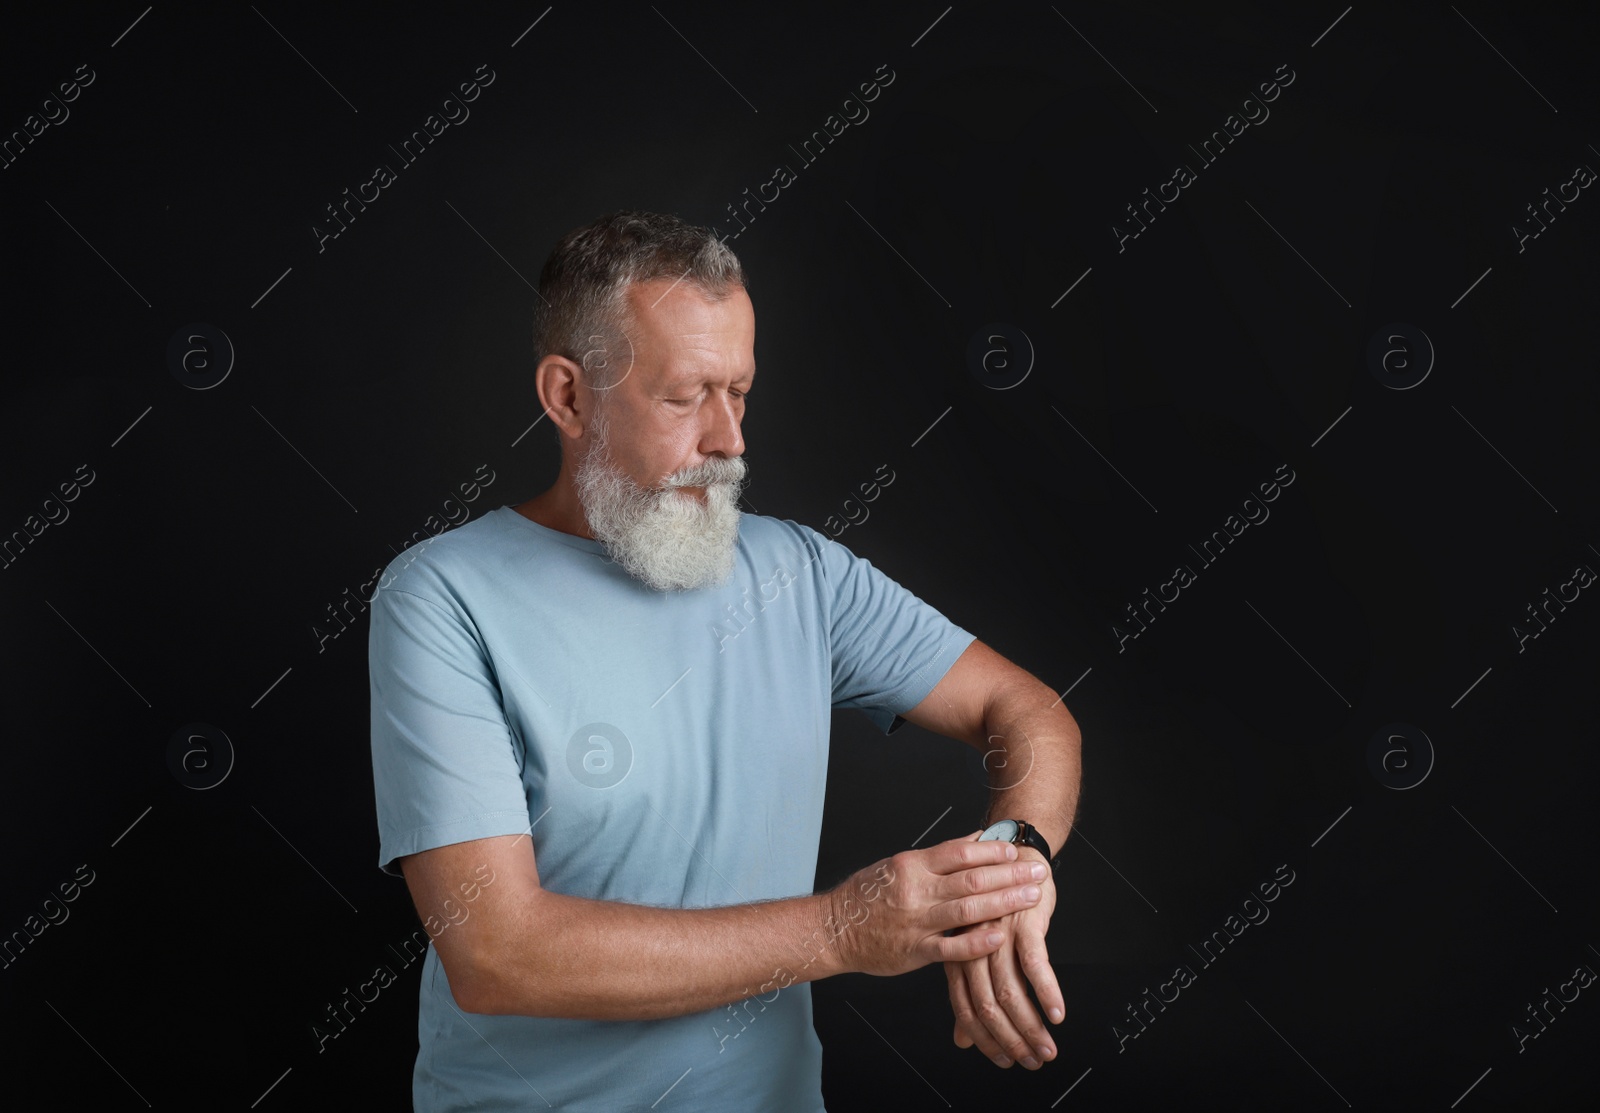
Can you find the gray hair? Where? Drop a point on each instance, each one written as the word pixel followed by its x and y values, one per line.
pixel 582 313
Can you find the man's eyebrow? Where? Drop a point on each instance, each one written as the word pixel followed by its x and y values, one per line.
pixel 690 378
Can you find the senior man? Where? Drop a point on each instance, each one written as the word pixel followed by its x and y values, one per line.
pixel 600 725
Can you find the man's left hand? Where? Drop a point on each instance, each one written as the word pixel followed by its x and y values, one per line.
pixel 990 994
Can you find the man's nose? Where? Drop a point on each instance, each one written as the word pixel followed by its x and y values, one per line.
pixel 721 434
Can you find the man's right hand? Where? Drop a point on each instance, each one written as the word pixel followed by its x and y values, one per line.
pixel 891 917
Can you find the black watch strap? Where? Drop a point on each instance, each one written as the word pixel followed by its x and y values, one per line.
pixel 1028 835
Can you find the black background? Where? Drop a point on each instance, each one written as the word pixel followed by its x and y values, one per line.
pixel 191 582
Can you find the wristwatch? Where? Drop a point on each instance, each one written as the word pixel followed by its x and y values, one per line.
pixel 1019 833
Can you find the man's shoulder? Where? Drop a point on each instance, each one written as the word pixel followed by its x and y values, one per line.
pixel 765 537
pixel 426 566
pixel 774 542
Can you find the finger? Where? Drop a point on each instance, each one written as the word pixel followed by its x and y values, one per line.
pixel 962 946
pixel 1008 1044
pixel 987 879
pixel 960 854
pixel 960 1003
pixel 978 907
pixel 1034 958
pixel 1011 994
pixel 971 1029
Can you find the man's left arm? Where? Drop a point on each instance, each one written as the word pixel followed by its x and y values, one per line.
pixel 1030 744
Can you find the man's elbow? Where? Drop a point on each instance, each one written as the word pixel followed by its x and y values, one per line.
pixel 490 974
pixel 471 983
pixel 482 986
pixel 502 980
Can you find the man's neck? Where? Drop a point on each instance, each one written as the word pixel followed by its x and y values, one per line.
pixel 557 510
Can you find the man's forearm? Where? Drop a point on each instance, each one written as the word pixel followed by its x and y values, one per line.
pixel 1033 758
pixel 574 957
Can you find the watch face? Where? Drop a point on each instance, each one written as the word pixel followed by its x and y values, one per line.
pixel 1004 830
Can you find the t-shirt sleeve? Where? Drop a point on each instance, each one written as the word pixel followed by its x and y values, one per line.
pixel 445 765
pixel 889 648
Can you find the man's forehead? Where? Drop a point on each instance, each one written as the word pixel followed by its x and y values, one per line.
pixel 679 306
pixel 693 335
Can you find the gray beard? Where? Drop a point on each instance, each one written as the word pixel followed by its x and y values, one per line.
pixel 669 539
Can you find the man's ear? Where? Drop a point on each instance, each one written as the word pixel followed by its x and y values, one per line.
pixel 565 396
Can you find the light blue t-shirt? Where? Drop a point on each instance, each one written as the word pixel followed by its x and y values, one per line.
pixel 667 749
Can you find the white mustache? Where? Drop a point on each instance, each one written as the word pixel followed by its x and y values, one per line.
pixel 713 473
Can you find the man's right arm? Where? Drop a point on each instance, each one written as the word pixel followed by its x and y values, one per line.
pixel 517 948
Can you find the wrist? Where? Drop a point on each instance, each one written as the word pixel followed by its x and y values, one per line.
pixel 1022 835
pixel 1032 854
pixel 830 928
